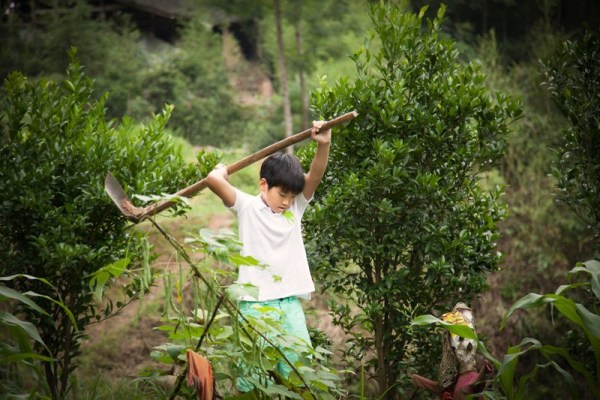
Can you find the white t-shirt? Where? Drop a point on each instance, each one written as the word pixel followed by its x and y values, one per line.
pixel 275 240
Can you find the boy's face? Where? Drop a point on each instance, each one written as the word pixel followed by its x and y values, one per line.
pixel 275 197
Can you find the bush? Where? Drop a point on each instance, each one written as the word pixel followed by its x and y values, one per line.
pixel 195 80
pixel 56 147
pixel 573 77
pixel 35 43
pixel 403 226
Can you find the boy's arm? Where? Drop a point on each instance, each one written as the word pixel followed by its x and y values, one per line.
pixel 319 163
pixel 217 181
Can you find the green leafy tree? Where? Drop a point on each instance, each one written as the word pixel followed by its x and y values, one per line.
pixel 56 146
pixel 35 43
pixel 193 77
pixel 402 225
pixel 573 77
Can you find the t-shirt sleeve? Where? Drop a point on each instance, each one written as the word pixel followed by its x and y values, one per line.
pixel 241 201
pixel 302 202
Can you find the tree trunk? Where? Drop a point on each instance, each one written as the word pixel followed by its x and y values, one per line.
pixel 283 79
pixel 484 17
pixel 301 72
pixel 382 371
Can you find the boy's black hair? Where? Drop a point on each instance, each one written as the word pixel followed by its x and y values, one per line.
pixel 283 170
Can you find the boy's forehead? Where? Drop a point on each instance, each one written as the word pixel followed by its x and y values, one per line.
pixel 282 190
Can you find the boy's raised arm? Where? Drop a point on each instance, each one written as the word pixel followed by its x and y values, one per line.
pixel 319 163
pixel 217 181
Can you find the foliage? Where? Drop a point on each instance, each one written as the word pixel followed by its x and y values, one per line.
pixel 194 78
pixel 573 78
pixel 56 147
pixel 35 44
pixel 200 314
pixel 567 73
pixel 541 237
pixel 19 362
pixel 330 31
pixel 403 226
pixel 506 381
pixel 584 319
pixel 573 84
pixel 536 222
pixel 139 84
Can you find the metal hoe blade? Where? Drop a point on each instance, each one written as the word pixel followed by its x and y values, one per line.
pixel 117 194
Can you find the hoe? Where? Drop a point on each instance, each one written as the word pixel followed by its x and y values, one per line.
pixel 137 214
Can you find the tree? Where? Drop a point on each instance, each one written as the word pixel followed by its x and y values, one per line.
pixel 283 77
pixel 56 147
pixel 402 225
pixel 35 43
pixel 573 77
pixel 304 120
pixel 206 112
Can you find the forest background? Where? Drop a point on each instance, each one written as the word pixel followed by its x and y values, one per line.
pixel 220 66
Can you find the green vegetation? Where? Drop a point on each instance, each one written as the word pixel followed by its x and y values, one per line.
pixel 428 234
pixel 57 222
pixel 572 79
pixel 200 314
pixel 410 194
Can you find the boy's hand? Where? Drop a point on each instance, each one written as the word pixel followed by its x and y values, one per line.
pixel 218 181
pixel 220 170
pixel 318 136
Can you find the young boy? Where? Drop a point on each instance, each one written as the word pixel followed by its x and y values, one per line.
pixel 270 231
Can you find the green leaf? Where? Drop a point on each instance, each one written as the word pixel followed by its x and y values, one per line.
pixel 8 359
pixel 27 327
pixel 529 376
pixel 530 300
pixel 274 390
pixel 457 329
pixel 100 277
pixel 61 305
pixel 590 321
pixel 12 277
pixel 13 294
pixel 578 366
pixel 238 259
pixel 593 267
pixel 174 351
pixel 237 291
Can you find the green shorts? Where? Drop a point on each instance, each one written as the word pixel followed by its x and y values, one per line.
pixel 289 314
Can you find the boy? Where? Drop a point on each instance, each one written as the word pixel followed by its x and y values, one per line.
pixel 270 231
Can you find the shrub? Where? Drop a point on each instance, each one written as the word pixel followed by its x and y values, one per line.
pixel 194 78
pixel 402 225
pixel 56 147
pixel 573 77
